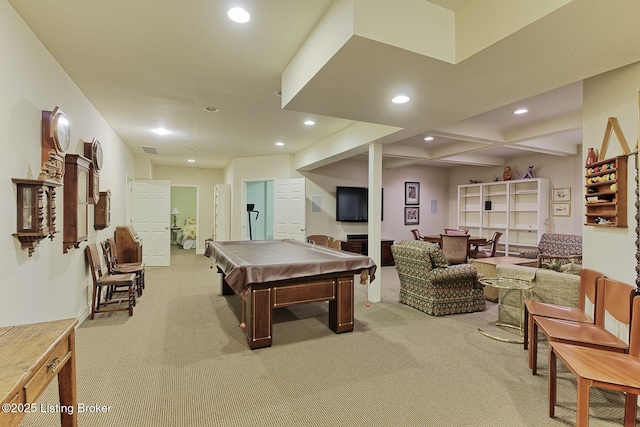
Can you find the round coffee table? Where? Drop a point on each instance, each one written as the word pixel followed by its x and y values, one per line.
pixel 514 285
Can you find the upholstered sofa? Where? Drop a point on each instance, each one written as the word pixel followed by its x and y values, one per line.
pixel 548 286
pixel 429 284
pixel 556 250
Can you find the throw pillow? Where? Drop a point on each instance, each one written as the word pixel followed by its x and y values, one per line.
pixel 571 268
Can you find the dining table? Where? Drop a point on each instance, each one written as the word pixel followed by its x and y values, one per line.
pixel 473 240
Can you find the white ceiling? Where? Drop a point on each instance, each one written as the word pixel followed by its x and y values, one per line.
pixel 159 63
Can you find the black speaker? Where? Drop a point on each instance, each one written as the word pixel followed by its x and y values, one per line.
pixel 487 205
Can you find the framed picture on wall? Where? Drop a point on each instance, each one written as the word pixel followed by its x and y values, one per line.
pixel 411 216
pixel 411 193
pixel 562 194
pixel 562 209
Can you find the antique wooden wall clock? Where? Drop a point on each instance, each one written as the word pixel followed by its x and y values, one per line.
pixel 56 138
pixel 76 204
pixel 36 216
pixel 102 211
pixel 93 152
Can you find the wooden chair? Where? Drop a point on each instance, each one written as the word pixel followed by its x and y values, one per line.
pixel 108 251
pixel 455 231
pixel 610 330
pixel 493 246
pixel 319 239
pixel 416 234
pixel 109 282
pixel 455 248
pixel 335 244
pixel 584 313
pixel 600 368
pixel 135 265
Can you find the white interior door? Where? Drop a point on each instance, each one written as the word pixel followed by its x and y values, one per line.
pixel 290 212
pixel 151 208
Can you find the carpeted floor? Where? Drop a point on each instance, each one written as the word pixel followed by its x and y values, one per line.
pixel 182 360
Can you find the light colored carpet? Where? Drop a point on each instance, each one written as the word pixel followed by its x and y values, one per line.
pixel 182 360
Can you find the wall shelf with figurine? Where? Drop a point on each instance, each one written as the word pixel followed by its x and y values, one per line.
pixel 606 192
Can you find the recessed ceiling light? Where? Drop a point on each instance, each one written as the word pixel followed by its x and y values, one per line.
pixel 428 138
pixel 191 160
pixel 161 131
pixel 400 99
pixel 309 122
pixel 521 111
pixel 279 143
pixel 239 15
pixel 212 109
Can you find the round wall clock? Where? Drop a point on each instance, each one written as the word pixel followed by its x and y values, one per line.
pixel 96 154
pixel 60 129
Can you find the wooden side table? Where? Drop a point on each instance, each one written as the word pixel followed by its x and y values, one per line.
pixel 30 357
pixel 174 235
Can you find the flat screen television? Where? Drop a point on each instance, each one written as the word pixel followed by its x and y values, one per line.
pixel 352 204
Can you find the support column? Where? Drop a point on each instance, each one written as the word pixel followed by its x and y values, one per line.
pixel 375 216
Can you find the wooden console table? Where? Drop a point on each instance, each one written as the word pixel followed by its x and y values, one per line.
pixel 361 246
pixel 30 357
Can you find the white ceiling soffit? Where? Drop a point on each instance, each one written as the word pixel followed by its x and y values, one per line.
pixel 465 65
pixel 556 46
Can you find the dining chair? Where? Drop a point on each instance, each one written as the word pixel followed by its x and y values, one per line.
pixel 584 312
pixel 599 368
pixel 455 248
pixel 455 231
pixel 493 246
pixel 610 330
pixel 416 234
pixel 319 239
pixel 108 282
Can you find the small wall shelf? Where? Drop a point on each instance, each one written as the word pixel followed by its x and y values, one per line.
pixel 606 193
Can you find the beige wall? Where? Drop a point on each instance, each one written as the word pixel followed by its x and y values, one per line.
pixel 613 94
pixel 323 182
pixel 204 180
pixel 48 285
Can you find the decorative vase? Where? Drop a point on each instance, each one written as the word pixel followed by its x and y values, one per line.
pixel 592 157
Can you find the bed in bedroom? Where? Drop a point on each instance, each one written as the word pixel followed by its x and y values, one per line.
pixel 189 233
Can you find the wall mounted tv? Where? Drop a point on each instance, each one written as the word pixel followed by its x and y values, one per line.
pixel 352 204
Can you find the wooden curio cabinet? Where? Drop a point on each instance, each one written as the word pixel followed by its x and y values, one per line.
pixel 102 211
pixel 76 203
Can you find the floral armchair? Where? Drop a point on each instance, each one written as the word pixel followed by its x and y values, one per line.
pixel 428 283
pixel 555 251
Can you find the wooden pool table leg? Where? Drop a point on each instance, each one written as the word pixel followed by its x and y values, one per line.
pixel 258 317
pixel 341 309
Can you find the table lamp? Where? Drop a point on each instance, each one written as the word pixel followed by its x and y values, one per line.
pixel 175 212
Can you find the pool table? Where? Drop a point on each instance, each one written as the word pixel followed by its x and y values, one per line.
pixel 279 273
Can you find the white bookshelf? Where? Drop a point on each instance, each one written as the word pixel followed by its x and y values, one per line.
pixel 518 209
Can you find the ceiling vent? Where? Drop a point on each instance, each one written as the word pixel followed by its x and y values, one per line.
pixel 149 149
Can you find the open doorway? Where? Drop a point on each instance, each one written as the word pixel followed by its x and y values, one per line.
pixel 184 217
pixel 259 210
